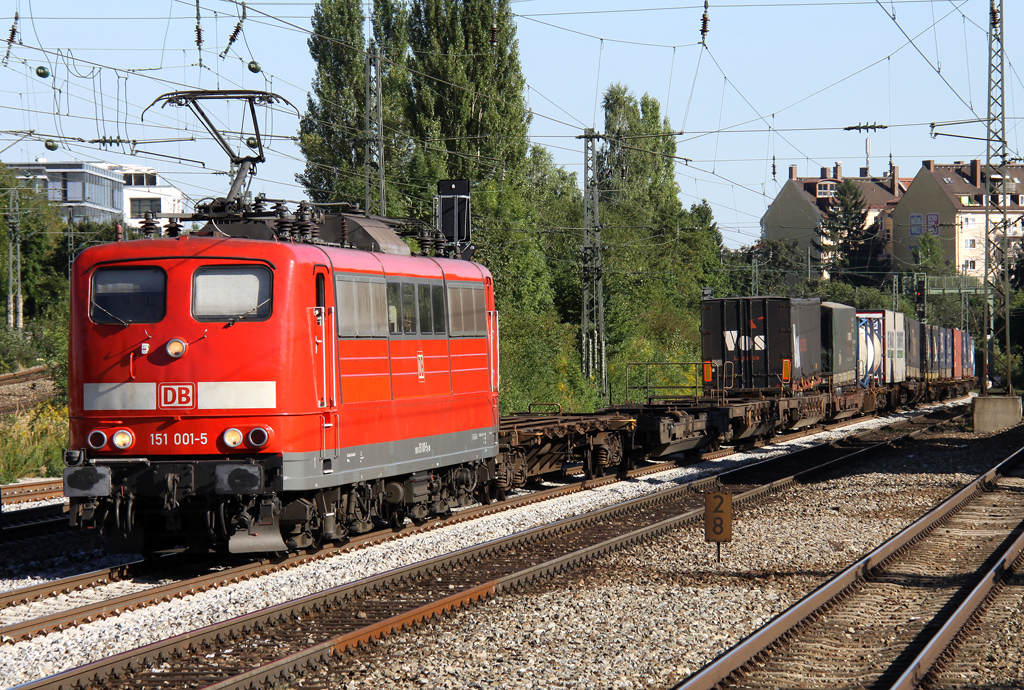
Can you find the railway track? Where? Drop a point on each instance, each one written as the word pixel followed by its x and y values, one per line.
pixel 78 609
pixel 29 523
pixel 303 632
pixel 12 399
pixel 886 620
pixel 28 492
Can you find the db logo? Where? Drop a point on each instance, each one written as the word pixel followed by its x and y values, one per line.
pixel 176 395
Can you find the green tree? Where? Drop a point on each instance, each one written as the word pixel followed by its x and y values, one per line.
pixel 853 248
pixel 776 262
pixel 930 257
pixel 331 131
pixel 467 113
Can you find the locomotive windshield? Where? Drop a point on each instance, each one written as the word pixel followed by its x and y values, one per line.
pixel 231 293
pixel 128 295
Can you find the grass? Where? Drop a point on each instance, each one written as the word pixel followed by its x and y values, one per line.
pixel 32 442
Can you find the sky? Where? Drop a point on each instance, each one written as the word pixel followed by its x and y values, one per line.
pixel 774 84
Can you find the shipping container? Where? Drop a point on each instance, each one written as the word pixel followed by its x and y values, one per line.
pixel 913 348
pixel 761 342
pixel 929 353
pixel 882 352
pixel 945 353
pixel 839 342
pixel 958 354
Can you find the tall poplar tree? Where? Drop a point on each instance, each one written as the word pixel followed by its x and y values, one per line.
pixel 468 115
pixel 331 131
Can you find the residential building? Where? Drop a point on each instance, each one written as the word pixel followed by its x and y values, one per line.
pixel 949 202
pixel 802 204
pixel 84 191
pixel 146 190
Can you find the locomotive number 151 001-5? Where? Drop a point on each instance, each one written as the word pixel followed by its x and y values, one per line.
pixel 178 439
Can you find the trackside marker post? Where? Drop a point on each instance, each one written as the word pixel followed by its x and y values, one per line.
pixel 718 519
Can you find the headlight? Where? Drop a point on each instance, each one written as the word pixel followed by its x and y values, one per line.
pixel 97 439
pixel 176 347
pixel 233 438
pixel 122 439
pixel 258 437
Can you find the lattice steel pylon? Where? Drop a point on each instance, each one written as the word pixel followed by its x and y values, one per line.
pixel 592 319
pixel 374 155
pixel 997 228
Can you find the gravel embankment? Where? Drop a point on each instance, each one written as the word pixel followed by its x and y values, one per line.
pixel 59 651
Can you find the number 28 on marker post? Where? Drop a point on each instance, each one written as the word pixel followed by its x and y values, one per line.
pixel 718 517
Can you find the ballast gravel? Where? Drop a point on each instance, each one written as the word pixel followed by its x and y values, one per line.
pixel 614 628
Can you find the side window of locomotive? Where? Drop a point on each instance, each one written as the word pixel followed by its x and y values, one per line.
pixel 426 322
pixel 455 311
pixel 437 297
pixel 409 308
pixel 394 307
pixel 362 308
pixel 466 311
pixel 231 293
pixel 128 295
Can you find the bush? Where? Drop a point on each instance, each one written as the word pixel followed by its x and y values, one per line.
pixel 32 442
pixel 540 363
pixel 17 351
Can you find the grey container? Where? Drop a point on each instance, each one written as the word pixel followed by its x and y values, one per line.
pixel 839 343
pixel 913 328
pixel 749 340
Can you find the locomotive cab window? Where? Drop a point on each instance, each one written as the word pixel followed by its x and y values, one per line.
pixel 232 293
pixel 128 295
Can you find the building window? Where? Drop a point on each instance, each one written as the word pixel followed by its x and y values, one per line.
pixel 140 179
pixel 970 243
pixel 826 190
pixel 140 206
pixel 947 180
pixel 969 265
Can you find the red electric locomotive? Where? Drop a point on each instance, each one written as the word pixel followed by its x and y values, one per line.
pixel 257 395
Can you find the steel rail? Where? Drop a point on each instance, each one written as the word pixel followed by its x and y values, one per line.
pixel 951 630
pixel 27 492
pixel 294 663
pixel 756 644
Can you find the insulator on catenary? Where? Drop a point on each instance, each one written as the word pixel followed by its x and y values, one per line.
pixel 232 38
pixel 704 23
pixel 494 35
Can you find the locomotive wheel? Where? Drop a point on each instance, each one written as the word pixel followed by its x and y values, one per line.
pixel 490 493
pixel 396 519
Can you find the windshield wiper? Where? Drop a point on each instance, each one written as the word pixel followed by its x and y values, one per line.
pixel 231 322
pixel 114 316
